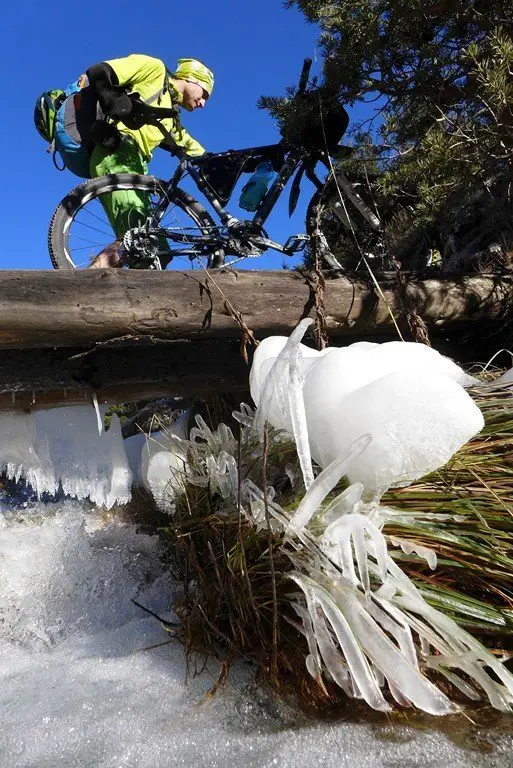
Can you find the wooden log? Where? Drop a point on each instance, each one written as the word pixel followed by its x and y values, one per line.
pixel 133 335
pixel 80 308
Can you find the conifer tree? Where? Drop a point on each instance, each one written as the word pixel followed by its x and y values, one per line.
pixel 438 80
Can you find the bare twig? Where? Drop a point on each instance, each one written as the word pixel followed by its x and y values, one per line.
pixel 274 658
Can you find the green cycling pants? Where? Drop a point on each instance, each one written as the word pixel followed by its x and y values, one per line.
pixel 126 208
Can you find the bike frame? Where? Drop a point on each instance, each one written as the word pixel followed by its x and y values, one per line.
pixel 293 159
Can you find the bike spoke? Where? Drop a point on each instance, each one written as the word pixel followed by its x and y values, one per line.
pixel 171 222
pixel 185 229
pixel 107 233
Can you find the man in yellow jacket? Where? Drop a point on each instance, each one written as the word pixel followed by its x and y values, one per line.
pixel 188 87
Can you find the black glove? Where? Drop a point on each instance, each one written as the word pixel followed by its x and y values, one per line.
pixel 114 104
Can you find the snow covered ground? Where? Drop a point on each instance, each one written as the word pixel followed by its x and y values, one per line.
pixel 78 688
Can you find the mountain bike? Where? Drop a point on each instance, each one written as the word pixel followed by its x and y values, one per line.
pixel 178 226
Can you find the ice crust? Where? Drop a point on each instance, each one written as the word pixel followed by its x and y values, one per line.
pixel 367 625
pixel 407 396
pixel 63 448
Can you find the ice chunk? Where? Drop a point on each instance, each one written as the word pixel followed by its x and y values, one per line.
pixel 88 464
pixel 160 441
pixel 162 471
pixel 406 395
pixel 62 446
pixel 417 422
pixel 158 462
pixel 338 371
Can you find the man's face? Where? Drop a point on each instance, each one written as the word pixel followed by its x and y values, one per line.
pixel 194 96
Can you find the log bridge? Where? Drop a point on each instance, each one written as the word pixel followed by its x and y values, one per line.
pixel 126 335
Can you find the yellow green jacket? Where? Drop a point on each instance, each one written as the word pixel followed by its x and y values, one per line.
pixel 147 76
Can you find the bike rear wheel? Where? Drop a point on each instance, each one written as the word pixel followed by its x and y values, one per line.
pixel 80 228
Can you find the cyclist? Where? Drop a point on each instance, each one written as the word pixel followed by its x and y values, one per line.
pixel 128 146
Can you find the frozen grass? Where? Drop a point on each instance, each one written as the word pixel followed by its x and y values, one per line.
pixel 354 600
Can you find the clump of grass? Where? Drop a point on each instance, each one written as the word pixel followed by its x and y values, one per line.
pixel 235 559
pixel 464 513
pixel 235 576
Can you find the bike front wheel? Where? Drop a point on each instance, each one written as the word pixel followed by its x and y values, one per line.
pixel 80 228
pixel 342 226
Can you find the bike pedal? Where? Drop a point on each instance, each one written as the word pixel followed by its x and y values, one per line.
pixel 295 243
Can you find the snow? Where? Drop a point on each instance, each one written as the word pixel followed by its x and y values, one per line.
pixel 78 688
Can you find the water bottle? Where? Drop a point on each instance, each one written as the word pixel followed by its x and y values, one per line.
pixel 254 191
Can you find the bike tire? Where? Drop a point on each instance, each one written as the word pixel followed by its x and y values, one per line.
pixel 362 218
pixel 73 203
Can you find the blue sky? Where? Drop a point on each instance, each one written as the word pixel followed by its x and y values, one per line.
pixel 254 48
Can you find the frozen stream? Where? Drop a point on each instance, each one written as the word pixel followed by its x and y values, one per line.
pixel 78 689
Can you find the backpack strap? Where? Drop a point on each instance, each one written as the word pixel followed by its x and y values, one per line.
pixel 166 88
pixel 54 155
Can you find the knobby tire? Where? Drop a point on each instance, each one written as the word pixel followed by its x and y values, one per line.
pixel 74 201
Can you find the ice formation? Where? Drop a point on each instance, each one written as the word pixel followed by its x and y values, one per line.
pixel 366 624
pixel 407 396
pixel 158 461
pixel 63 448
pixel 360 413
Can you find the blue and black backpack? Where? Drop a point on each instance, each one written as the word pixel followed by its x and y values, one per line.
pixel 64 119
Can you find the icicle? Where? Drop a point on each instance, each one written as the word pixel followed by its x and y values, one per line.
pixel 410 546
pixel 346 502
pixel 324 483
pixel 274 379
pixel 98 414
pixel 298 415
